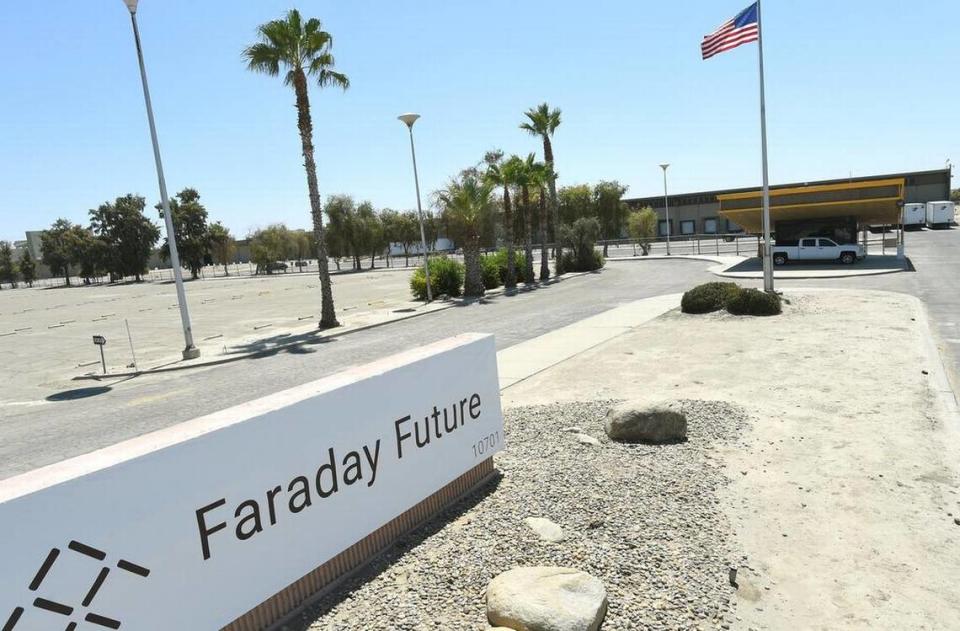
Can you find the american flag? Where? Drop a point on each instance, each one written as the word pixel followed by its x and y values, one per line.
pixel 740 30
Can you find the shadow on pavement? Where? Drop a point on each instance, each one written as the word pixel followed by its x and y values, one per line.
pixel 79 393
pixel 282 342
pixel 871 262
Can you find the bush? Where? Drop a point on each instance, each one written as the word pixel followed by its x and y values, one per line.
pixel 569 262
pixel 490 272
pixel 754 302
pixel 500 258
pixel 446 277
pixel 708 297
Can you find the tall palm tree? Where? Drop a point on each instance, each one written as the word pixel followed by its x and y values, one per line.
pixel 542 122
pixel 299 49
pixel 467 203
pixel 502 174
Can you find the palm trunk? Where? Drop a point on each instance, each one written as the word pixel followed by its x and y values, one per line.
pixel 473 277
pixel 328 314
pixel 554 205
pixel 528 276
pixel 511 280
pixel 544 264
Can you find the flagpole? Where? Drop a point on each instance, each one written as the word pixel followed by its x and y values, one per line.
pixel 767 259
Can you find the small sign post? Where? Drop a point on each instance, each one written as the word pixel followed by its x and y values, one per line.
pixel 101 341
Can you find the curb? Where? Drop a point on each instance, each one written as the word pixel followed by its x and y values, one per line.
pixel 329 333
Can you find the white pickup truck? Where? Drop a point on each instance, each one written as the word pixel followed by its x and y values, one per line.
pixel 817 249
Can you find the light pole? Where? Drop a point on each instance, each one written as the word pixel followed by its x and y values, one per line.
pixel 409 120
pixel 189 351
pixel 666 204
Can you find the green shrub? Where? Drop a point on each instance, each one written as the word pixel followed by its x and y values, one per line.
pixel 754 302
pixel 446 277
pixel 500 258
pixel 490 272
pixel 708 297
pixel 569 262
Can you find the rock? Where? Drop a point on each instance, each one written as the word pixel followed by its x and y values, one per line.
pixel 646 422
pixel 547 530
pixel 546 599
pixel 587 439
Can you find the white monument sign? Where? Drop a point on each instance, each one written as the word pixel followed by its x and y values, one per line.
pixel 191 526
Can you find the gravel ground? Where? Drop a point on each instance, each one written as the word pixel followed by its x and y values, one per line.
pixel 646 520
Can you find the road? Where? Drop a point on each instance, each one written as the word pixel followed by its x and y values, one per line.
pixel 70 424
pixel 75 422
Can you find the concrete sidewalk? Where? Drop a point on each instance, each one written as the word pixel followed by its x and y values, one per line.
pixel 533 356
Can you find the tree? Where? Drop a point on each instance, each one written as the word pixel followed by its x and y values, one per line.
pixel 575 202
pixel 344 229
pixel 541 177
pixel 28 268
pixel 542 122
pixel 62 247
pixel 500 173
pixel 408 233
pixel 190 230
pixel 642 226
pixel 580 237
pixel 610 210
pixel 391 221
pixel 8 268
pixel 525 174
pixel 222 245
pixel 127 233
pixel 303 48
pixel 955 196
pixel 466 202
pixel 269 246
pixel 370 232
pixel 303 247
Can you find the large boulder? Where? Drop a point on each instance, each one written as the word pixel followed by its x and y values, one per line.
pixel 646 422
pixel 546 599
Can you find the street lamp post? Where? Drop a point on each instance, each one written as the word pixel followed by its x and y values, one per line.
pixel 666 204
pixel 409 120
pixel 190 351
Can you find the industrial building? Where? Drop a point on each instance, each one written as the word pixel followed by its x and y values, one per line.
pixel 840 206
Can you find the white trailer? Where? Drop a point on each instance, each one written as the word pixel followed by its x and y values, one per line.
pixel 914 214
pixel 940 213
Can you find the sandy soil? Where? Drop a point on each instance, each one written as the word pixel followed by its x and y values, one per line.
pixel 845 490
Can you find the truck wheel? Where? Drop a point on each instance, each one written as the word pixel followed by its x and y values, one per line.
pixel 779 259
pixel 848 258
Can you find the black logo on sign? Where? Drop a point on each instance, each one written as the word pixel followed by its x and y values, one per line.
pixel 91 593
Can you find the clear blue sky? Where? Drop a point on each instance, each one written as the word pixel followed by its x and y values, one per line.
pixel 860 86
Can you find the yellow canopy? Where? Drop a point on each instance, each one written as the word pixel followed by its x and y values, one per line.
pixel 872 202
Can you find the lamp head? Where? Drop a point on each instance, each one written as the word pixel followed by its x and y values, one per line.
pixel 132 5
pixel 409 119
pixel 664 166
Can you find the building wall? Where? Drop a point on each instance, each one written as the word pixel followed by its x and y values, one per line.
pixel 921 186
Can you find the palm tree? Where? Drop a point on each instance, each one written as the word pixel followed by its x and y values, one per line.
pixel 541 179
pixel 542 122
pixel 503 174
pixel 524 176
pixel 299 49
pixel 467 203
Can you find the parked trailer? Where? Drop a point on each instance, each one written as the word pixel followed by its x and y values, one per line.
pixel 940 213
pixel 914 214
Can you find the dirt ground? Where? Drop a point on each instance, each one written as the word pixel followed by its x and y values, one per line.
pixel 47 332
pixel 844 492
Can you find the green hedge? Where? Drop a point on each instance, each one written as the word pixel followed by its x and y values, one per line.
pixel 708 297
pixel 569 262
pixel 730 296
pixel 754 302
pixel 490 272
pixel 446 277
pixel 500 259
